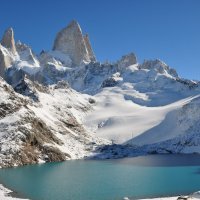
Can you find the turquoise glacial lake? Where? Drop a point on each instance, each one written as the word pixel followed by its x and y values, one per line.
pixel 139 177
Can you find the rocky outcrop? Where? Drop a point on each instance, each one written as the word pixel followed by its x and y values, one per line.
pixel 71 41
pixel 127 60
pixel 8 40
pixel 112 81
pixel 26 88
pixel 21 47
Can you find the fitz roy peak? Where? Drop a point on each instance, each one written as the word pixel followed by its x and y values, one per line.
pixel 64 104
pixel 71 41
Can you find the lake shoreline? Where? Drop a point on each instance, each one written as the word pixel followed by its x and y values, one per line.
pixel 8 194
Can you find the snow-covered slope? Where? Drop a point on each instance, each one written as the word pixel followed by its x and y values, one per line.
pixel 43 124
pixel 121 120
pixel 57 105
pixel 152 83
pixel 145 106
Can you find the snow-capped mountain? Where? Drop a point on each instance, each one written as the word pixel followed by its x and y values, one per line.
pixel 64 104
pixel 43 123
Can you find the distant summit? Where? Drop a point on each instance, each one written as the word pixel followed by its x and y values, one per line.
pixel 71 41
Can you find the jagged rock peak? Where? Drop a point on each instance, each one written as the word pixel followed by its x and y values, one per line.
pixel 127 60
pixel 21 46
pixel 159 66
pixel 71 41
pixel 8 40
pixel 89 48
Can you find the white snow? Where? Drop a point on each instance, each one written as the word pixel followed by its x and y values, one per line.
pixel 163 198
pixel 27 61
pixel 117 119
pixel 65 59
pixel 27 67
pixel 59 106
pixel 195 196
pixel 4 194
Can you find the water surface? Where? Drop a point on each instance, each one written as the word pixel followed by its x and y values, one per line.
pixel 139 177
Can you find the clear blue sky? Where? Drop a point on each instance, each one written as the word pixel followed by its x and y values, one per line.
pixel 165 29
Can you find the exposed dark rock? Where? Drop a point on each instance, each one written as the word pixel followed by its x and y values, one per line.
pixel 110 82
pixel 91 101
pixel 54 154
pixel 25 88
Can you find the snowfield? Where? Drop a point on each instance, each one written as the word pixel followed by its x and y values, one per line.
pixel 121 120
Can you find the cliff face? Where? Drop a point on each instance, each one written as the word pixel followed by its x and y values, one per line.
pixel 8 40
pixel 6 60
pixel 7 51
pixel 89 48
pixel 71 41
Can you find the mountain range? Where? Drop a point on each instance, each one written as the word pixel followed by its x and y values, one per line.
pixel 64 104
